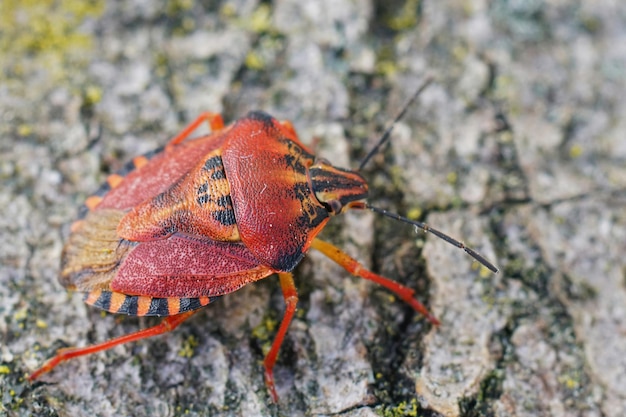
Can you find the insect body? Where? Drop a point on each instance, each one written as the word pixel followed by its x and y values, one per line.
pixel 201 218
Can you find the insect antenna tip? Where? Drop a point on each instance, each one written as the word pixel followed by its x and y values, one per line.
pixel 387 133
pixel 426 228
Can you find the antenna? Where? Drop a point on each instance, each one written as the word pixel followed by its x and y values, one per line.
pixel 387 133
pixel 425 227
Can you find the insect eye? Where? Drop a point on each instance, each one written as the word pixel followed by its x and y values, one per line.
pixel 334 206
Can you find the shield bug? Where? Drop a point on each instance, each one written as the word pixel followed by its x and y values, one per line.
pixel 201 218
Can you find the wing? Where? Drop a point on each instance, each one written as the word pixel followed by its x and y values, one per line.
pixel 134 278
pixel 95 258
pixel 149 175
pixel 155 278
pixel 181 266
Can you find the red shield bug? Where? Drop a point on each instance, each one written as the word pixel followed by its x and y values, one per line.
pixel 201 218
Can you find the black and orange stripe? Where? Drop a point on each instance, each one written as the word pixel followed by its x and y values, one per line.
pixel 141 305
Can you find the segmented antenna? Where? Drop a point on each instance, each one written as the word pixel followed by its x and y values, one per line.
pixel 425 227
pixel 387 133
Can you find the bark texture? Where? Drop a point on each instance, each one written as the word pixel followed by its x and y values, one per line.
pixel 519 148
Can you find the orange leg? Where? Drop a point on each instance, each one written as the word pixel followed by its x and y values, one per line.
pixel 291 300
pixel 355 268
pixel 168 324
pixel 215 122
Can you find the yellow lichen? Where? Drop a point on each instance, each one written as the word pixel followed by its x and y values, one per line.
pixel 402 409
pixel 254 61
pixel 484 272
pixel 406 16
pixel 452 178
pixel 414 213
pixel 575 151
pixel 261 21
pixel 188 347
pixel 265 332
pixel 20 314
pixel 44 36
pixel 93 94
pixel 24 129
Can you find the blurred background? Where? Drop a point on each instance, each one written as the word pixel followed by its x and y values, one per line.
pixel 518 148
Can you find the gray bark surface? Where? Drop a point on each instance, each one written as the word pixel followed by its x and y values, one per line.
pixel 518 148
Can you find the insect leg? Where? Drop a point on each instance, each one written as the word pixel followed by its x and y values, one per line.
pixel 169 323
pixel 215 122
pixel 355 268
pixel 291 300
